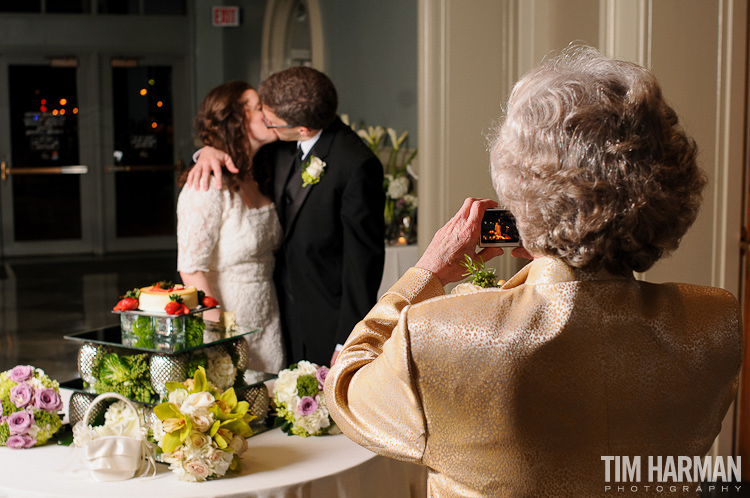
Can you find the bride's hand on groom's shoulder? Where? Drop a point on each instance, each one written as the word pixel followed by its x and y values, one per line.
pixel 209 161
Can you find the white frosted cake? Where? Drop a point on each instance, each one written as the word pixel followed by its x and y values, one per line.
pixel 154 298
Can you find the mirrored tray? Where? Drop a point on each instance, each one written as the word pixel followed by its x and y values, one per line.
pixel 250 387
pixel 112 336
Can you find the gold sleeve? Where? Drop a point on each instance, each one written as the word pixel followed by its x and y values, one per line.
pixel 370 391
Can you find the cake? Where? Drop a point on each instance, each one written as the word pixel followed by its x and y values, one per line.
pixel 155 297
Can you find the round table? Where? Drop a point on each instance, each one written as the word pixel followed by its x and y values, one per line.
pixel 274 466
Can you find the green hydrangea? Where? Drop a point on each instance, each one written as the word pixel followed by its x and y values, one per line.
pixel 307 385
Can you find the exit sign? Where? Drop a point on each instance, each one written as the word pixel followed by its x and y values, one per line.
pixel 226 16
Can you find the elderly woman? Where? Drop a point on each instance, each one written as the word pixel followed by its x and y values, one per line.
pixel 521 390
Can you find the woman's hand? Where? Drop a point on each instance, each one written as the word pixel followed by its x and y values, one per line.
pixel 209 161
pixel 445 254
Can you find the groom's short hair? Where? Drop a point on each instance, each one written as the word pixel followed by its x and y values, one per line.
pixel 301 96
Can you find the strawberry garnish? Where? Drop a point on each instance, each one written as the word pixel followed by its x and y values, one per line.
pixel 174 308
pixel 209 302
pixel 126 304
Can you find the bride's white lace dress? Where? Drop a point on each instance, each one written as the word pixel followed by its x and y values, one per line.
pixel 234 246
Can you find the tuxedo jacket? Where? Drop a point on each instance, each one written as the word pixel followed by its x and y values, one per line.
pixel 330 265
pixel 520 391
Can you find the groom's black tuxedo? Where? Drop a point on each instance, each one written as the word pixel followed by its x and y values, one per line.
pixel 330 265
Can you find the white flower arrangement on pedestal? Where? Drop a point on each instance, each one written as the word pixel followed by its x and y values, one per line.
pixel 399 180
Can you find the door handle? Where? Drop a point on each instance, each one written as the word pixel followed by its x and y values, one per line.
pixel 77 169
pixel 179 166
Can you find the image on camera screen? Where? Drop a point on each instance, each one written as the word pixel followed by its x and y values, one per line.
pixel 499 228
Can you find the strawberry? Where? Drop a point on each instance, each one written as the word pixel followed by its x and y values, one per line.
pixel 185 310
pixel 126 304
pixel 210 302
pixel 173 308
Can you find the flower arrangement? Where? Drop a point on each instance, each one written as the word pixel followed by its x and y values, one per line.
pixel 399 181
pixel 29 404
pixel 200 429
pixel 300 401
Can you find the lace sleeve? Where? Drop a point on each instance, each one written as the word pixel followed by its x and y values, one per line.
pixel 199 216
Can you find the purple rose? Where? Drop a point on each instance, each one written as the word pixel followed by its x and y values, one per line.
pixel 48 400
pixel 19 422
pixel 20 441
pixel 21 372
pixel 21 394
pixel 321 376
pixel 306 406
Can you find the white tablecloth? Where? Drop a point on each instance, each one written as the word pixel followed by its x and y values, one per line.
pixel 274 466
pixel 398 259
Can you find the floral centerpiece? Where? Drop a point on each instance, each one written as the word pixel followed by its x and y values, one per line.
pixel 29 407
pixel 300 401
pixel 200 429
pixel 399 181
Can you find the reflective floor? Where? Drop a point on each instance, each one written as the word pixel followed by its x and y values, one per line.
pixel 44 299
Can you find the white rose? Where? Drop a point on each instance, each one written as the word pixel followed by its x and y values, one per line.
pixel 178 396
pixel 285 387
pixel 198 469
pixel 195 401
pixel 219 461
pixel 198 440
pixel 315 168
pixel 238 444
pixel 305 367
pixel 203 419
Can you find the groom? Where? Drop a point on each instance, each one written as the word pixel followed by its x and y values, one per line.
pixel 330 264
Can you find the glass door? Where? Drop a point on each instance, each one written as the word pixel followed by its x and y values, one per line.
pixel 91 152
pixel 143 164
pixel 45 185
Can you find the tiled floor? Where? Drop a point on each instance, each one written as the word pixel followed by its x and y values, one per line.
pixel 44 299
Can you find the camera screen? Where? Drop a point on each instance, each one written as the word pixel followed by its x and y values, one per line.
pixel 499 227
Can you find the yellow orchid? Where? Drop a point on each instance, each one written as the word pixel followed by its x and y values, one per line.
pixel 176 425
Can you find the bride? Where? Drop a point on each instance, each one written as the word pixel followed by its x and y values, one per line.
pixel 226 238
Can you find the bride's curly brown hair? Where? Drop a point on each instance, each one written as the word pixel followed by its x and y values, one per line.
pixel 594 165
pixel 220 123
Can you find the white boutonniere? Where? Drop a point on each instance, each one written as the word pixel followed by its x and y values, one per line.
pixel 312 171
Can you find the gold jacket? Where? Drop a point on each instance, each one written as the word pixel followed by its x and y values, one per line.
pixel 520 391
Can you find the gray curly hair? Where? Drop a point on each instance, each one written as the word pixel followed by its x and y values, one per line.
pixel 592 162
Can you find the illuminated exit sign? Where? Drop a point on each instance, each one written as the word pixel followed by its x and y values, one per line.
pixel 226 16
